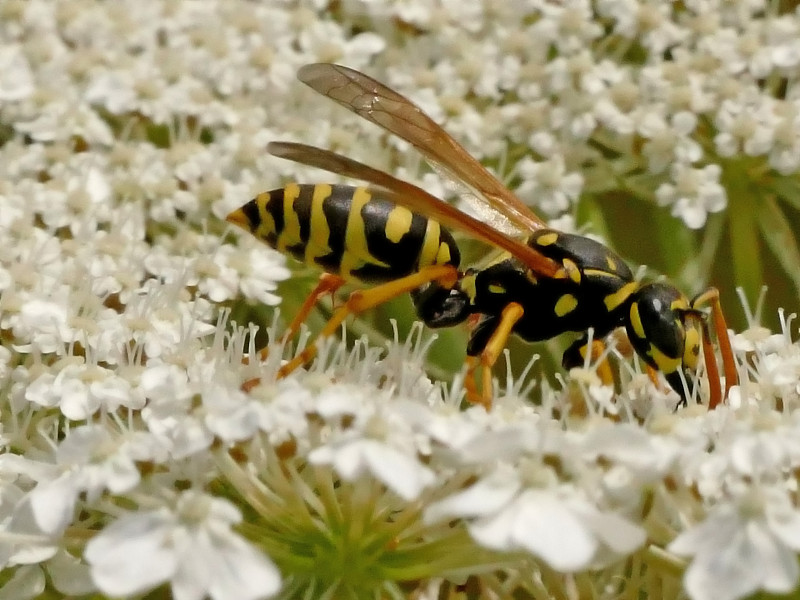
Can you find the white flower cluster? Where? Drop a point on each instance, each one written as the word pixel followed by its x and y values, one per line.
pixel 131 459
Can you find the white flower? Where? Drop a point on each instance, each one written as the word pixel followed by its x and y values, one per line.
pixel 192 547
pixel 80 390
pixel 694 193
pixel 548 185
pixel 377 443
pixel 259 270
pixel 325 41
pixel 89 461
pixel 400 472
pixel 784 156
pixel 669 142
pixel 553 522
pixel 744 545
pixel 16 79
pixel 44 321
pixel 23 541
pixel 168 412
pixel 231 415
pixel 746 124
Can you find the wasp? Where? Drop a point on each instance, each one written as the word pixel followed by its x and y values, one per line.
pixel 392 238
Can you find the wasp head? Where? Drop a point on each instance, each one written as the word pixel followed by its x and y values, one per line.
pixel 666 331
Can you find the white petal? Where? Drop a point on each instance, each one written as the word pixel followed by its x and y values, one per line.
pixel 242 572
pixel 485 497
pixel 496 531
pixel 70 575
pixel 132 555
pixel 195 569
pixel 706 537
pixel 26 582
pixel 726 572
pixel 347 459
pixel 216 562
pixel 548 529
pixel 403 474
pixel 784 522
pixel 53 503
pixel 779 569
pixel 504 445
pixel 619 534
pixel 120 474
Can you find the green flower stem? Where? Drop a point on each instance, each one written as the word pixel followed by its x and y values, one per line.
pixel 665 563
pixel 745 247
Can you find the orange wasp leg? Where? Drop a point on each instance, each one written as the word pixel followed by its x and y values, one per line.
pixel 327 284
pixel 602 365
pixel 361 300
pixel 712 371
pixel 652 374
pixel 489 355
pixel 603 368
pixel 711 296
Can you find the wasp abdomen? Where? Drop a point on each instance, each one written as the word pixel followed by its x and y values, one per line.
pixel 347 231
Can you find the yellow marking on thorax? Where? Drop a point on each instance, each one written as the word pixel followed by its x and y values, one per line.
pixel 636 321
pixel 547 239
pixel 572 270
pixel 398 223
pixel 501 257
pixel 430 244
pixel 356 253
pixel 290 236
pixel 496 289
pixel 612 264
pixel 666 364
pixel 467 285
pixel 319 230
pixel 612 301
pixel 599 273
pixel 565 305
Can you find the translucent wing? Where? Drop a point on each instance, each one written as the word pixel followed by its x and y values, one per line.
pixel 415 199
pixel 398 115
pixel 478 207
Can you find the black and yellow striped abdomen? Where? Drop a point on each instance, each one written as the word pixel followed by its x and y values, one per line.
pixel 347 231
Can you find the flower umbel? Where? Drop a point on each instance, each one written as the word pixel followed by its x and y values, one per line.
pixel 133 462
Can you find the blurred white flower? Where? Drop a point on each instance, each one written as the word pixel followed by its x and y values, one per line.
pixel 552 522
pixel 693 194
pixel 548 185
pixel 746 544
pixel 192 547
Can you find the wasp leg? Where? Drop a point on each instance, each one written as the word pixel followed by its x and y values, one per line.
pixel 652 374
pixel 575 356
pixel 327 284
pixel 362 300
pixel 712 371
pixel 711 296
pixel 490 351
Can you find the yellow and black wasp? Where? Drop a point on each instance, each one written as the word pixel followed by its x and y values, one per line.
pixel 395 236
